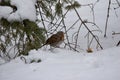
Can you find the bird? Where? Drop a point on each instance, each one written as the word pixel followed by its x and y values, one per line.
pixel 55 40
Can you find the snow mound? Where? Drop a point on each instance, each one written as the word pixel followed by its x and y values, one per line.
pixel 5 11
pixel 65 65
pixel 25 10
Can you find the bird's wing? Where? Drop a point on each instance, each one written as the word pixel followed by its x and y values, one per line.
pixel 52 39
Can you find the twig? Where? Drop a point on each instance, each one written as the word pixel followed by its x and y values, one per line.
pixel 108 13
pixel 77 36
pixel 42 18
pixel 66 31
pixel 94 24
pixel 63 16
pixel 70 46
pixel 114 33
pixel 118 43
pixel 73 25
pixel 118 3
pixel 86 26
pixel 23 59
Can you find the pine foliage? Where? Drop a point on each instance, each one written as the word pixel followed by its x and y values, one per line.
pixel 58 8
pixel 20 37
pixel 72 6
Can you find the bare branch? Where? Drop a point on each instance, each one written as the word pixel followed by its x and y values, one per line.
pixel 86 26
pixel 118 43
pixel 108 13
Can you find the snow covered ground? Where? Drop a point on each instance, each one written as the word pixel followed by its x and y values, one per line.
pixel 65 65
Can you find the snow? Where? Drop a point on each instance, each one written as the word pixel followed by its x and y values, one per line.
pixel 5 11
pixel 100 11
pixel 62 64
pixel 65 65
pixel 25 10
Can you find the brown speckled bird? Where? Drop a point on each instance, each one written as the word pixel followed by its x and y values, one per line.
pixel 56 39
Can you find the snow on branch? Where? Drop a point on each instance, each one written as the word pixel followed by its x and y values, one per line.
pixel 25 10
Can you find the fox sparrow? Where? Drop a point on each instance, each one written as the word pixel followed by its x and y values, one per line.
pixel 56 39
